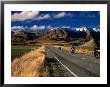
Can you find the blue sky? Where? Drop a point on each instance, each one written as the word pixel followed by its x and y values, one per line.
pixel 71 19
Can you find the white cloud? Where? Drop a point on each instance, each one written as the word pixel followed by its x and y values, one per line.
pixel 42 27
pixel 34 15
pixel 24 15
pixel 60 15
pixel 35 27
pixel 49 27
pixel 43 17
pixel 19 27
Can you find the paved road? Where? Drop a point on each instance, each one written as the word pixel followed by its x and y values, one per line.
pixel 77 65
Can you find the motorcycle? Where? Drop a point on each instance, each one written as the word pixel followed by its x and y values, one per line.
pixel 73 50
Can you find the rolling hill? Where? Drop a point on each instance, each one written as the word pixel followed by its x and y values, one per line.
pixel 58 34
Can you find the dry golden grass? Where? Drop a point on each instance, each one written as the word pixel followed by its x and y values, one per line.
pixel 29 65
pixel 83 50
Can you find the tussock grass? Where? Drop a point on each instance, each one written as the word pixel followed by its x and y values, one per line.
pixel 30 64
pixel 36 64
pixel 83 50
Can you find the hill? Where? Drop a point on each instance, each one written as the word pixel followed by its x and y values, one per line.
pixel 58 34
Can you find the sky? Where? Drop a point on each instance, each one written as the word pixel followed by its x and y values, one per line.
pixel 50 19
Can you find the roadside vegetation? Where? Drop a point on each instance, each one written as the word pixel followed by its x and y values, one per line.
pixel 30 64
pixel 54 68
pixel 17 52
pixel 20 50
pixel 36 63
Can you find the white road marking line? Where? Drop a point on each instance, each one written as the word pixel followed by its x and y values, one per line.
pixel 64 65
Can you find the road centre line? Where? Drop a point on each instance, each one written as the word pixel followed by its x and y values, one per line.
pixel 63 65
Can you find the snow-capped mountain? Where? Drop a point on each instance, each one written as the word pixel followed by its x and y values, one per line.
pixel 49 28
pixel 96 29
pixel 81 29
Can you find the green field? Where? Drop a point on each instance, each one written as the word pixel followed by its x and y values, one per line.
pixel 19 50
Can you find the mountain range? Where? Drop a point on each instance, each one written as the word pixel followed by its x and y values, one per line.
pixel 56 34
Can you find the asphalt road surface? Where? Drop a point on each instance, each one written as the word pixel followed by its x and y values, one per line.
pixel 78 65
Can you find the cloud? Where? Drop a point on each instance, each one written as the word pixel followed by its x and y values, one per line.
pixel 42 27
pixel 60 15
pixel 32 15
pixel 19 27
pixel 63 14
pixel 43 17
pixel 35 27
pixel 35 15
pixel 49 27
pixel 24 15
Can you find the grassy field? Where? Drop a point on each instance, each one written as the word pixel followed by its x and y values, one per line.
pixel 30 65
pixel 17 52
pixel 20 50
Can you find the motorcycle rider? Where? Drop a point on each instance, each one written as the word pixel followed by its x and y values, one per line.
pixel 72 49
pixel 97 51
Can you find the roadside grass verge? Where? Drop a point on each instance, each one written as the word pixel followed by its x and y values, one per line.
pixel 36 64
pixel 30 64
pixel 54 68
